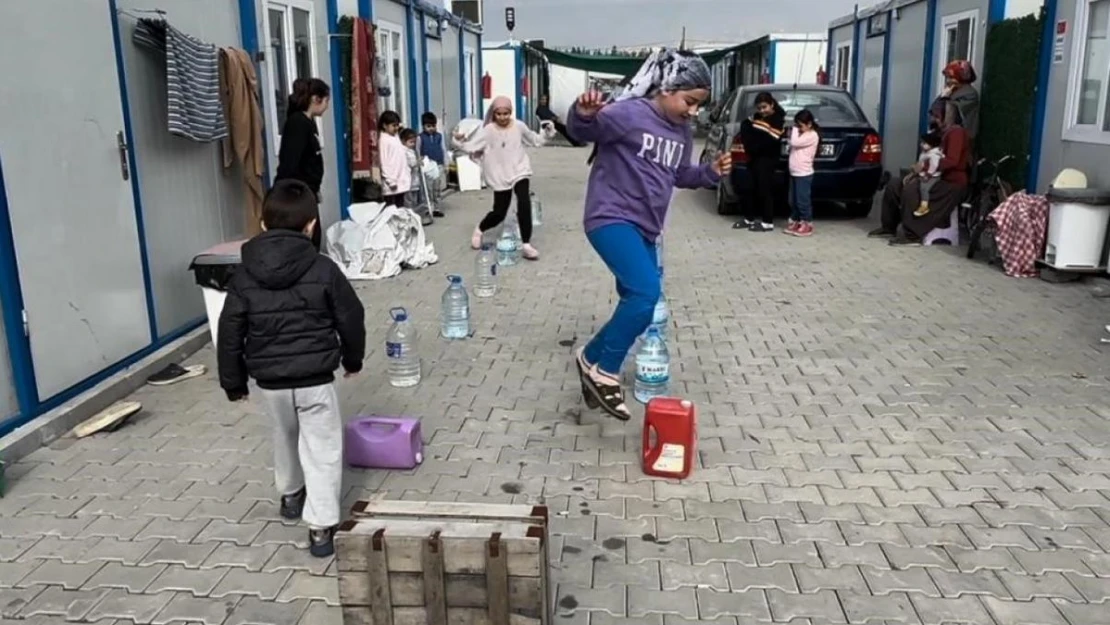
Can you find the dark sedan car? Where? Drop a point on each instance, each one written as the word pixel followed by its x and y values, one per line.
pixel 848 168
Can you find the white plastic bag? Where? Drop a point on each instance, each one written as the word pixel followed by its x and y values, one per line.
pixel 467 127
pixel 378 241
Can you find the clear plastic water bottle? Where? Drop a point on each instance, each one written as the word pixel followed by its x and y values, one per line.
pixel 485 272
pixel 661 318
pixel 537 211
pixel 401 352
pixel 508 244
pixel 653 368
pixel 455 321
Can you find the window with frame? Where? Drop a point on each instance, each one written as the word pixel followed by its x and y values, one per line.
pixel 471 83
pixel 290 54
pixel 844 67
pixel 1088 118
pixel 391 49
pixel 957 41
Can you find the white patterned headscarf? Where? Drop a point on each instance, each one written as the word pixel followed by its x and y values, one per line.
pixel 667 69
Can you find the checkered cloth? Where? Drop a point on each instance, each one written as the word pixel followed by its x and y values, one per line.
pixel 1021 222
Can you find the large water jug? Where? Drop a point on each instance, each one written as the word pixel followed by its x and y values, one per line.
pixel 455 320
pixel 653 368
pixel 400 350
pixel 485 272
pixel 508 244
pixel 537 211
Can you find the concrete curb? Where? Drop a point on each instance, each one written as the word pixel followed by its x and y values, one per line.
pixel 58 422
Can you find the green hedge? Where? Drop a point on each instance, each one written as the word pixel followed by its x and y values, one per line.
pixel 1009 87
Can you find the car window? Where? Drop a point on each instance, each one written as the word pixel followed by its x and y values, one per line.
pixel 829 107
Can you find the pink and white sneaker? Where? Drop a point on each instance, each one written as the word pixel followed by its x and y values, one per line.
pixel 529 252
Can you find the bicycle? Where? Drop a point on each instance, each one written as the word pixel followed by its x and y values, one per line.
pixel 987 193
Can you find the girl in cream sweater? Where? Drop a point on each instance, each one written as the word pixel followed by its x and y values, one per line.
pixel 500 145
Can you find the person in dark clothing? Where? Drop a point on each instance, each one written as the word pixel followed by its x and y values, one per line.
pixel 300 157
pixel 544 112
pixel 902 195
pixel 761 136
pixel 289 321
pixel 432 147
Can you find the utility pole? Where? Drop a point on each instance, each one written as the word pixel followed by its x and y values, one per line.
pixel 682 44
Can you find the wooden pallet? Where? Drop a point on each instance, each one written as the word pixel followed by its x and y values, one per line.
pixel 416 563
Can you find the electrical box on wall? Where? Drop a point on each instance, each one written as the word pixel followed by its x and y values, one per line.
pixel 468 9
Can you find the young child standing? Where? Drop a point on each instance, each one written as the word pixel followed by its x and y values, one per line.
pixel 431 147
pixel 803 150
pixel 929 163
pixel 643 145
pixel 303 320
pixel 415 199
pixel 396 174
pixel 500 144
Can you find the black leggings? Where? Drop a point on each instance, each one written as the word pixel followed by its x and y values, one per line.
pixel 761 205
pixel 501 202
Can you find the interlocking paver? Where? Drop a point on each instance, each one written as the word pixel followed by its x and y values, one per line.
pixel 869 452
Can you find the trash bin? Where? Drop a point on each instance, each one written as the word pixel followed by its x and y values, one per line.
pixel 212 269
pixel 1077 223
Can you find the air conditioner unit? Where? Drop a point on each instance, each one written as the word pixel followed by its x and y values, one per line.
pixel 468 9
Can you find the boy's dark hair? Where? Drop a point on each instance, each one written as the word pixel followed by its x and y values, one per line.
pixel 289 205
pixel 389 117
pixel 931 139
pixel 428 119
pixel 406 134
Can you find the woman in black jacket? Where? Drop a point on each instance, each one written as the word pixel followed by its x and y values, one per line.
pixel 299 157
pixel 761 135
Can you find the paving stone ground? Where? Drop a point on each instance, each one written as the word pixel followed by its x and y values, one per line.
pixel 886 436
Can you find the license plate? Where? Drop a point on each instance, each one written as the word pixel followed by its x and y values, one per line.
pixel 826 149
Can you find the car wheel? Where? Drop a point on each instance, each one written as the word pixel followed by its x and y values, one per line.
pixel 859 210
pixel 726 205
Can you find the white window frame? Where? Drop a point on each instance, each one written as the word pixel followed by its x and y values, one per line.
pixel 290 69
pixel 847 84
pixel 399 97
pixel 1083 133
pixel 950 22
pixel 473 88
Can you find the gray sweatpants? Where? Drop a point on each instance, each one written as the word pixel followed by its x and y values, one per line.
pixel 308 448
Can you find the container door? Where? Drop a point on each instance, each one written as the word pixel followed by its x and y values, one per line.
pixel 69 191
pixel 871 94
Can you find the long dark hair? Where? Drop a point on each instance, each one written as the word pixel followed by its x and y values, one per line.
pixel 304 89
pixel 804 116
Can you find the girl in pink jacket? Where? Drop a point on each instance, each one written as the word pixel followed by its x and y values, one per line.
pixel 803 150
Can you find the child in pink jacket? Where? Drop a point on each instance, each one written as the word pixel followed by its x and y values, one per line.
pixel 803 150
pixel 396 175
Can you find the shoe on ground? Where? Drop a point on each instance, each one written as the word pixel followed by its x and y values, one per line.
pixel 426 220
pixel 791 226
pixel 292 505
pixel 529 252
pixel 321 542
pixel 476 239
pixel 904 240
pixel 438 213
pixel 761 226
pixel 804 229
pixel 881 232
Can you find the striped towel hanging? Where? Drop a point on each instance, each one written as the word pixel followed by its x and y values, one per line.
pixel 194 107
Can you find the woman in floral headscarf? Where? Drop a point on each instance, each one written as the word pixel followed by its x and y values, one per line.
pixel 958 89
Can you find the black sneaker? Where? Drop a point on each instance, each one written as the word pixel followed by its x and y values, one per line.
pixel 293 505
pixel 321 543
pixel 760 226
pixel 904 240
pixel 438 214
pixel 881 232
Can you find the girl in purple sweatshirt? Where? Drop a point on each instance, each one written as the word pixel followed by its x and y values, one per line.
pixel 643 151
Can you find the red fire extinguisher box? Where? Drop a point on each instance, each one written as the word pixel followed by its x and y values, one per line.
pixel 669 438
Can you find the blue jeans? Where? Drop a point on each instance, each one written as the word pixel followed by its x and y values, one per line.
pixel 801 198
pixel 632 259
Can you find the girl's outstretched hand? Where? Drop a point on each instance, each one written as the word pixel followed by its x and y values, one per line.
pixel 590 103
pixel 723 165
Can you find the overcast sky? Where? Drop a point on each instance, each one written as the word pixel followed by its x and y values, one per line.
pixel 607 23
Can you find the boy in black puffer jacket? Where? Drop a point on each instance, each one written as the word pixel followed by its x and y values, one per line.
pixel 290 320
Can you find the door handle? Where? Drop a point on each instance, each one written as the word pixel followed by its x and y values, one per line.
pixel 121 143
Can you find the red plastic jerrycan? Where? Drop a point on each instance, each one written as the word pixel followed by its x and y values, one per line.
pixel 670 434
